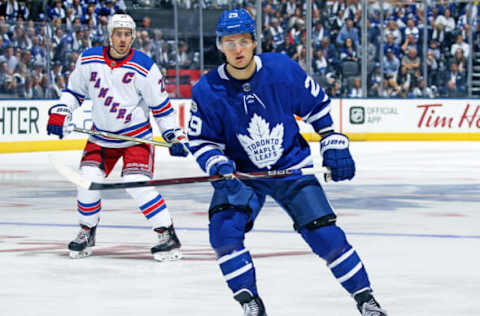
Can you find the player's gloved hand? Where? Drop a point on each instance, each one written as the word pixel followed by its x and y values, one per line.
pixel 59 116
pixel 177 138
pixel 337 157
pixel 237 192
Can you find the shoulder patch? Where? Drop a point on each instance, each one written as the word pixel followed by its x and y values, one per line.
pixel 194 106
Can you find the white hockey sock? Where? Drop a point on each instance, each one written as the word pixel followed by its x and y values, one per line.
pixel 149 201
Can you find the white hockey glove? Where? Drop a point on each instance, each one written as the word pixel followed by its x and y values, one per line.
pixel 59 118
pixel 178 139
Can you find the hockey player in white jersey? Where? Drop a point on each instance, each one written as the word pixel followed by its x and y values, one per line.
pixel 242 119
pixel 124 85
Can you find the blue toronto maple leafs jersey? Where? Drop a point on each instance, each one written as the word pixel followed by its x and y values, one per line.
pixel 252 121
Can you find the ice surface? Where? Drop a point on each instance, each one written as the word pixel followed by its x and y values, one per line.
pixel 412 213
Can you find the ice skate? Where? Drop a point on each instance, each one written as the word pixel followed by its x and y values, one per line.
pixel 368 306
pixel 252 305
pixel 82 245
pixel 168 248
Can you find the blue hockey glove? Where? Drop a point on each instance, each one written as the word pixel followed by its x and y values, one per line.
pixel 237 192
pixel 59 116
pixel 177 138
pixel 337 157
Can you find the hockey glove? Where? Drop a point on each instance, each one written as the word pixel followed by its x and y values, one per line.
pixel 59 117
pixel 177 138
pixel 336 156
pixel 237 192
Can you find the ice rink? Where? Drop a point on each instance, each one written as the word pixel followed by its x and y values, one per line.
pixel 412 213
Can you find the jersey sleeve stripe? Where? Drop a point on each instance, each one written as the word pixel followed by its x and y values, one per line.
pixel 198 152
pixel 80 98
pixel 319 115
pixel 162 114
pixel 163 109
pixel 199 142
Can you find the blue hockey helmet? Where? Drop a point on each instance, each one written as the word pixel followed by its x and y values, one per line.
pixel 237 21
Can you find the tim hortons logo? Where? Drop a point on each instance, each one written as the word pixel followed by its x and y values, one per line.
pixel 429 118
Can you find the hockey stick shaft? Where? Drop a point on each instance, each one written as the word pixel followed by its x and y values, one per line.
pixel 74 177
pixel 241 176
pixel 120 137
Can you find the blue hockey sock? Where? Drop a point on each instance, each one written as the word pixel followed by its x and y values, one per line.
pixel 330 243
pixel 238 270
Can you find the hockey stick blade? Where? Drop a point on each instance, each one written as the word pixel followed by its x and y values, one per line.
pixel 77 179
pixel 70 174
pixel 120 137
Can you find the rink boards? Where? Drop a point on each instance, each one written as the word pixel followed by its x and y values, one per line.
pixel 23 122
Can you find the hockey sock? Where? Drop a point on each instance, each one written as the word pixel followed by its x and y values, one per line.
pixel 150 202
pixel 239 271
pixel 330 243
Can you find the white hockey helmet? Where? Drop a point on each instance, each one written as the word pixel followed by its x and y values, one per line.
pixel 121 21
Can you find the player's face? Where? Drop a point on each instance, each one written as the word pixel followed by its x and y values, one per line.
pixel 238 49
pixel 121 41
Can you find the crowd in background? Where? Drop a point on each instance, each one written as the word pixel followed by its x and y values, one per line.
pixel 39 45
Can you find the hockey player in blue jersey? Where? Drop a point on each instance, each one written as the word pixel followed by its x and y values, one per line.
pixel 242 119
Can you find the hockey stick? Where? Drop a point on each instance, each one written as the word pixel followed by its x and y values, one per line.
pixel 120 137
pixel 76 178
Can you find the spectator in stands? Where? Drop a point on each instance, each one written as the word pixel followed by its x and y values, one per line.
pixel 318 33
pixel 432 68
pixel 10 9
pixel 287 48
pixel 277 33
pixel 456 82
pixel 77 9
pixel 460 44
pixel 449 24
pixel 336 22
pixel 411 29
pixel 356 89
pixel 90 16
pixel 58 11
pixel 348 31
pixel 69 19
pixel 410 43
pixel 21 40
pixel 12 60
pixel 38 92
pixel 391 65
pixel 438 32
pixel 390 44
pixel 411 61
pixel 392 28
pixel 460 60
pixel 349 51
pixel 27 92
pixel 320 64
pixel 404 80
pixel 297 32
pixel 423 91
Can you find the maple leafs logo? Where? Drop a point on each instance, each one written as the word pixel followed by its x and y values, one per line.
pixel 264 147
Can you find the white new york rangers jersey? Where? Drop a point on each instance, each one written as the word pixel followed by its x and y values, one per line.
pixel 122 92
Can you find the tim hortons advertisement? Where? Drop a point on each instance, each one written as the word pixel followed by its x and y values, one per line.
pixel 410 116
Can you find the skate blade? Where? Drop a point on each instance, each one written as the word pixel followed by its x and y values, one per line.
pixel 171 255
pixel 80 254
